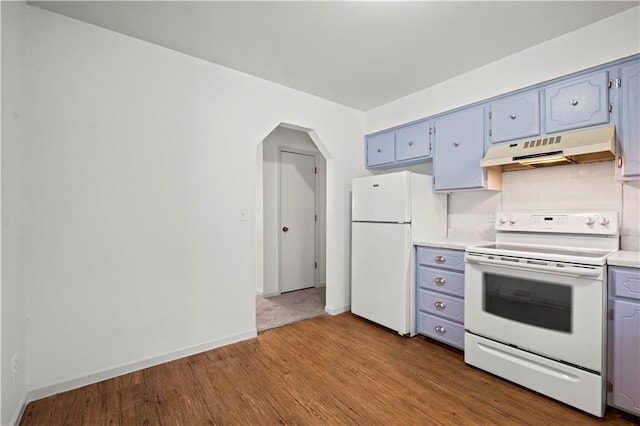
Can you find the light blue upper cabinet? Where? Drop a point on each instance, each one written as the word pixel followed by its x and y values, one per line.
pixel 515 117
pixel 578 102
pixel 629 128
pixel 412 142
pixel 398 147
pixel 459 146
pixel 380 149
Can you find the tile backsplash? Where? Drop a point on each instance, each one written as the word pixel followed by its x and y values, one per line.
pixel 575 187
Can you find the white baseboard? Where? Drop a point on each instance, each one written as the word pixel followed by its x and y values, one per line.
pixel 19 411
pixel 45 391
pixel 336 311
pixel 267 295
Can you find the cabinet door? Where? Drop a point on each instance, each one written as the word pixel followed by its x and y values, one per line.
pixel 629 128
pixel 412 141
pixel 380 149
pixel 459 146
pixel 626 353
pixel 515 117
pixel 579 102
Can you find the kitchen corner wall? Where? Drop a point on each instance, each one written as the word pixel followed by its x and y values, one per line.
pixel 572 187
pixel 12 285
pixel 142 166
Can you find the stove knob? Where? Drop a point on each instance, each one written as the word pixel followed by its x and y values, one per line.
pixel 513 220
pixel 588 220
pixel 503 220
pixel 603 220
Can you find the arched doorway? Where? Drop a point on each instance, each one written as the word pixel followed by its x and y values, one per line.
pixel 291 229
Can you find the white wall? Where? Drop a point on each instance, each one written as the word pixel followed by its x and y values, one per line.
pixel 283 137
pixel 12 294
pixel 606 40
pixel 141 160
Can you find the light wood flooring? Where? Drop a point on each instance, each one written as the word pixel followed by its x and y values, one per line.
pixel 331 370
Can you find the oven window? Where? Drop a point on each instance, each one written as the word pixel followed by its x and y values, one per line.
pixel 536 303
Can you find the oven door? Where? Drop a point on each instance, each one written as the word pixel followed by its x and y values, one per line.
pixel 551 309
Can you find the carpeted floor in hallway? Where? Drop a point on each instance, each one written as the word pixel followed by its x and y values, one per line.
pixel 289 307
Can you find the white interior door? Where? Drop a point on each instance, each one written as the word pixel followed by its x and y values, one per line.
pixel 297 221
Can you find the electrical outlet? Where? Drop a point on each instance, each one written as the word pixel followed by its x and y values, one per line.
pixel 14 367
pixel 492 217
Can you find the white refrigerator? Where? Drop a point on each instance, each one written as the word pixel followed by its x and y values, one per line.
pixel 390 212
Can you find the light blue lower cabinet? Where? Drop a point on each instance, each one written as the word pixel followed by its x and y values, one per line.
pixel 624 339
pixel 440 295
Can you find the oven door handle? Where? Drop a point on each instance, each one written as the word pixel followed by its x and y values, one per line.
pixel 573 271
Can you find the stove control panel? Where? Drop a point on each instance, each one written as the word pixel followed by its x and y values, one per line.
pixel 600 223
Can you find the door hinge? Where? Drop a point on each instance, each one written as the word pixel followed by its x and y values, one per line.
pixel 618 82
pixel 490 132
pixel 609 386
pixel 610 84
pixel 610 314
pixel 490 115
pixel 610 107
pixel 315 265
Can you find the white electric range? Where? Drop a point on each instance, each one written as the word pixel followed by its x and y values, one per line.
pixel 535 303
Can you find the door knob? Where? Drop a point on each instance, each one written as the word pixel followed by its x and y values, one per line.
pixel 285 228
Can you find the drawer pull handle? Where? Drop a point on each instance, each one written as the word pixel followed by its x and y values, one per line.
pixel 410 143
pixel 513 116
pixel 440 281
pixel 440 259
pixel 574 102
pixel 440 329
pixel 379 150
pixel 439 305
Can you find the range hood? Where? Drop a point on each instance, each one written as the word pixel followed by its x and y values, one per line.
pixel 583 146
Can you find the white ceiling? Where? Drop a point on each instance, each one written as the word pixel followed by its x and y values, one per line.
pixel 359 54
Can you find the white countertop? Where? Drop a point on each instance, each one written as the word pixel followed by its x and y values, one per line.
pixel 625 258
pixel 451 243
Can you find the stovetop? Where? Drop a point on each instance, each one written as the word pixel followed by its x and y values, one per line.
pixel 575 237
pixel 559 254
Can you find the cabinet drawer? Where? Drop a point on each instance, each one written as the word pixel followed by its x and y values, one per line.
pixel 437 303
pixel 441 280
pixel 441 329
pixel 625 281
pixel 578 102
pixel 381 149
pixel 412 142
pixel 442 258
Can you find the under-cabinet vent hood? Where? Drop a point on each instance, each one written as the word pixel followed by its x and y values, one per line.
pixel 583 146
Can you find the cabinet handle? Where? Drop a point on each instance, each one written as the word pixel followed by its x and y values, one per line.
pixel 440 259
pixel 513 116
pixel 574 102
pixel 456 144
pixel 410 143
pixel 440 329
pixel 440 281
pixel 379 150
pixel 439 305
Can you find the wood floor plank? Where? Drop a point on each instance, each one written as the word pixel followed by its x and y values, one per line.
pixel 327 370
